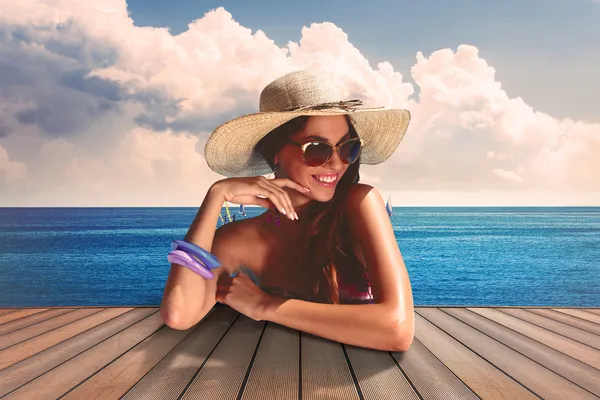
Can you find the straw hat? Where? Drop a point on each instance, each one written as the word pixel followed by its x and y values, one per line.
pixel 229 149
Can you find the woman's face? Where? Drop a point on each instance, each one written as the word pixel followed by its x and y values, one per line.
pixel 321 180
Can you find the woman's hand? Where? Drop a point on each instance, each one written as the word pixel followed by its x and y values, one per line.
pixel 241 294
pixel 260 191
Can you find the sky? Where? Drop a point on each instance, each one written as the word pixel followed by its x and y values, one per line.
pixel 108 103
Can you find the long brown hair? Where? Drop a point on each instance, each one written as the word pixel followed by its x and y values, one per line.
pixel 325 231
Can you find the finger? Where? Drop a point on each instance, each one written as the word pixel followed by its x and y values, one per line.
pixel 269 192
pixel 224 283
pixel 266 203
pixel 253 199
pixel 264 193
pixel 288 200
pixel 292 215
pixel 283 198
pixel 291 184
pixel 286 182
pixel 223 288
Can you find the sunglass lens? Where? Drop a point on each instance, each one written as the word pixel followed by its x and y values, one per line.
pixel 317 154
pixel 350 151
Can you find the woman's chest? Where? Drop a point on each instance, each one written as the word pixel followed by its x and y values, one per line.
pixel 282 267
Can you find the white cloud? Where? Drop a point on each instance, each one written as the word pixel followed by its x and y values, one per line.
pixel 11 172
pixel 492 155
pixel 97 111
pixel 508 175
pixel 468 134
pixel 143 167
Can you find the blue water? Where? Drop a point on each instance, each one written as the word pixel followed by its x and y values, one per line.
pixel 455 256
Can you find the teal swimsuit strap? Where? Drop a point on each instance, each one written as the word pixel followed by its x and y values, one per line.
pixel 248 272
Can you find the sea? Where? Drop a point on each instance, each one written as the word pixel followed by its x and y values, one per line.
pixel 455 256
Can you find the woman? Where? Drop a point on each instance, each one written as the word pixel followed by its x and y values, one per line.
pixel 323 258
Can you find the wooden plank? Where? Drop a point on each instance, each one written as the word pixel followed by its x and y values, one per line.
pixel 224 373
pixel 21 335
pixel 64 377
pixel 168 379
pixel 432 379
pixel 543 382
pixel 25 371
pixel 325 372
pixel 569 331
pixel 378 375
pixel 478 374
pixel 588 316
pixel 37 344
pixel 119 376
pixel 25 322
pixel 19 314
pixel 48 355
pixel 567 319
pixel 275 373
pixel 578 351
pixel 572 369
pixel 6 310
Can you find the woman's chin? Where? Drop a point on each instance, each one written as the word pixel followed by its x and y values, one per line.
pixel 322 196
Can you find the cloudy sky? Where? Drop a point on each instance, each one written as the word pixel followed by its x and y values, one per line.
pixel 108 103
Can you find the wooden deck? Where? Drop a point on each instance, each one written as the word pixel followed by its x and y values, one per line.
pixel 459 353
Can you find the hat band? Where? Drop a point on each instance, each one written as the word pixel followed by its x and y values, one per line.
pixel 350 105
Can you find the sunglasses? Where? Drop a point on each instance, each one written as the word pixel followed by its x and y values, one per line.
pixel 317 153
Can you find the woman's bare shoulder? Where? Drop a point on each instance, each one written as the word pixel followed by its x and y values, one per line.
pixel 363 196
pixel 363 206
pixel 235 241
pixel 240 230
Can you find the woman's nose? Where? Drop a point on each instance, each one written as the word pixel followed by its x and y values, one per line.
pixel 335 162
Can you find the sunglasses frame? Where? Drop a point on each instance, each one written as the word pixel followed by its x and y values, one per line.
pixel 334 148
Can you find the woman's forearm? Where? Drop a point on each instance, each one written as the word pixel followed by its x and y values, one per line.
pixel 202 228
pixel 184 298
pixel 375 326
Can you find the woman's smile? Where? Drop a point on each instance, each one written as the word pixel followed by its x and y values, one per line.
pixel 326 180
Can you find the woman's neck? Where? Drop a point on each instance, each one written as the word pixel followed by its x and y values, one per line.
pixel 298 199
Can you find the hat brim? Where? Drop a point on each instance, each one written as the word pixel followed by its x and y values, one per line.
pixel 229 149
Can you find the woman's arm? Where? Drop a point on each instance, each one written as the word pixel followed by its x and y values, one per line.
pixel 386 325
pixel 187 296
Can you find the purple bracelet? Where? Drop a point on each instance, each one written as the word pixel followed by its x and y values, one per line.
pixel 184 259
pixel 206 258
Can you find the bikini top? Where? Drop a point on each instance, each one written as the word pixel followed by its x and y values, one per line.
pixel 349 293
